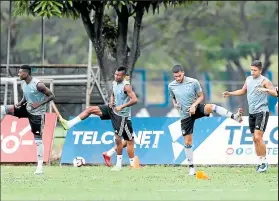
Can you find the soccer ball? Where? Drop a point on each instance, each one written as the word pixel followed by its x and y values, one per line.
pixel 78 161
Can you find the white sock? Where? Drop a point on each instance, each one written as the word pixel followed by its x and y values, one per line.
pixel 263 159
pixel 40 152
pixel 222 111
pixel 189 153
pixel 111 152
pixel 3 111
pixel 74 121
pixel 132 161
pixel 119 160
pixel 259 160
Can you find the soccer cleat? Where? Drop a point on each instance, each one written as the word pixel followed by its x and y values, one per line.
pixel 116 168
pixel 39 170
pixel 263 167
pixel 192 171
pixel 238 115
pixel 258 167
pixel 107 159
pixel 64 123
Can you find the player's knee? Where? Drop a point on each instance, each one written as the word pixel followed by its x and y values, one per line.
pixel 38 140
pixel 124 143
pixel 118 140
pixel 92 109
pixel 188 142
pixel 257 139
pixel 130 142
pixel 209 108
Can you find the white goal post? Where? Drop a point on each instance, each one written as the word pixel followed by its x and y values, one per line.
pixel 6 81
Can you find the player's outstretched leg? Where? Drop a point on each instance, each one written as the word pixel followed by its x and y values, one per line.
pixel 6 109
pixel 209 108
pixel 119 148
pixel 86 113
pixel 107 155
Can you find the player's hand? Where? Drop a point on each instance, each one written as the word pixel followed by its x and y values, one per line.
pixel 226 94
pixel 262 89
pixel 192 110
pixel 35 105
pixel 118 108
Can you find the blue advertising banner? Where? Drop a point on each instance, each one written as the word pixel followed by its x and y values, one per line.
pixel 217 140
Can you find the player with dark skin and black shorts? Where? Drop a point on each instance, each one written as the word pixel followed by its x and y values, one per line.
pixel 118 111
pixel 32 106
pixel 187 97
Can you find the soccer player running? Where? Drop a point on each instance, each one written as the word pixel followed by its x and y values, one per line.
pixel 32 106
pixel 258 108
pixel 119 111
pixel 187 96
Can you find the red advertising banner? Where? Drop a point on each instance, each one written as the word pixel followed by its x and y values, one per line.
pixel 17 140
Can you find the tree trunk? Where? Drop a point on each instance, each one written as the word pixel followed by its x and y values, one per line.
pixel 107 64
pixel 135 49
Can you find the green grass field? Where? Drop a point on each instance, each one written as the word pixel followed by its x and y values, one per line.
pixel 148 183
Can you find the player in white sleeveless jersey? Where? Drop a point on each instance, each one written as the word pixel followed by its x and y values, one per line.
pixel 32 106
pixel 256 86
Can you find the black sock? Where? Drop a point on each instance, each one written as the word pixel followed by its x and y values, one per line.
pixel 191 166
pixel 232 116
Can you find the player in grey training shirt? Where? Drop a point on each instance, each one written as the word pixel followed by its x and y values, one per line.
pixel 255 86
pixel 32 106
pixel 119 111
pixel 187 96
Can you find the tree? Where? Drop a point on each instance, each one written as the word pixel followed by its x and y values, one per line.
pixel 241 31
pixel 108 33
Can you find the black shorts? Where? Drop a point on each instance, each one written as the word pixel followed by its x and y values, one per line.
pixel 121 125
pixel 36 121
pixel 258 121
pixel 187 124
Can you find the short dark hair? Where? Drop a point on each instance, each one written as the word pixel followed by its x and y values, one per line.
pixel 122 69
pixel 26 68
pixel 177 68
pixel 257 63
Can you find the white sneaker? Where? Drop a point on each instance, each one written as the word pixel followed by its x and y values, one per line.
pixel 238 115
pixel 39 170
pixel 116 168
pixel 192 171
pixel 263 167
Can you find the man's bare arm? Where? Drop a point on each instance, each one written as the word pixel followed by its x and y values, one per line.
pixel 42 88
pixel 133 98
pixel 269 88
pixel 239 92
pixel 199 99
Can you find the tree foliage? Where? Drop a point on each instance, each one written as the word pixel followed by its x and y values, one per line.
pixel 108 32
